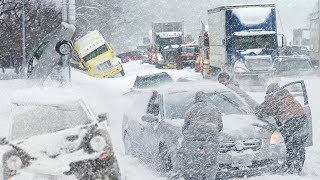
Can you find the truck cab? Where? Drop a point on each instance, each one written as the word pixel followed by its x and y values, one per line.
pixel 97 56
pixel 242 35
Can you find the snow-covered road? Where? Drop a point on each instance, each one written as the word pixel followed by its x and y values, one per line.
pixel 104 95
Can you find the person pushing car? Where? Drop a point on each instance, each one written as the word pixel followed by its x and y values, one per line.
pixel 291 118
pixel 197 157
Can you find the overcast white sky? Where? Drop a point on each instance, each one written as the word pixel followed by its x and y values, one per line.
pixel 139 14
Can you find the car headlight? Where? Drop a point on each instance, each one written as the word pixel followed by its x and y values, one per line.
pixel 239 70
pixel 98 143
pixel 159 57
pixel 14 163
pixel 276 138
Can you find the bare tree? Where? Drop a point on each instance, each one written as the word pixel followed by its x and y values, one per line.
pixel 41 18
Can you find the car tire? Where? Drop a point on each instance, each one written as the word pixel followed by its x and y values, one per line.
pixel 166 164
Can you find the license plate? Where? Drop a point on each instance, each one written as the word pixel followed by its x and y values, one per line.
pixel 45 177
pixel 241 160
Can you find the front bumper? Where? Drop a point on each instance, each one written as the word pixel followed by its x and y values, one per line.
pixel 268 159
pixel 188 63
pixel 74 168
pixel 111 72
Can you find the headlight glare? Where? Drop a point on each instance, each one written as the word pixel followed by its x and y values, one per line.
pixel 276 138
pixel 98 143
pixel 14 163
pixel 239 70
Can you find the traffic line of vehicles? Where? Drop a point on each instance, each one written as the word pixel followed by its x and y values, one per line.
pixel 240 39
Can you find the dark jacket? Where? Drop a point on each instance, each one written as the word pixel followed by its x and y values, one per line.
pixel 281 105
pixel 203 121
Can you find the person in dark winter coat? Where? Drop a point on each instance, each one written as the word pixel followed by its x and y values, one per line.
pixel 202 124
pixel 291 118
pixel 202 120
pixel 225 79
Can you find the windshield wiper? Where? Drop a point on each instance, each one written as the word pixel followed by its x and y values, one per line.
pixel 232 102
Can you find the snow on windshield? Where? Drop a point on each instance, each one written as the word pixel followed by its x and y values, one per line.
pixel 245 15
pixel 177 104
pixel 35 120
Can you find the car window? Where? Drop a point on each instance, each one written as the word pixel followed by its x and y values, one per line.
pixel 177 104
pixel 154 104
pixel 100 50
pixel 151 80
pixel 291 65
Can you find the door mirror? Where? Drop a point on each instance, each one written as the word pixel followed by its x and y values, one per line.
pixel 149 118
pixel 3 141
pixel 102 117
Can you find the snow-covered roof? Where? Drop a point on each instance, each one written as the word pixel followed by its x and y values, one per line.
pixel 89 42
pixel 192 86
pixel 37 96
pixel 253 33
pixel 252 15
pixel 237 6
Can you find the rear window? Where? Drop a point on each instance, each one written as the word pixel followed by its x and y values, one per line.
pixel 152 80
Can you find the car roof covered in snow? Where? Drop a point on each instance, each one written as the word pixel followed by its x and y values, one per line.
pixel 239 6
pixel 192 86
pixel 37 96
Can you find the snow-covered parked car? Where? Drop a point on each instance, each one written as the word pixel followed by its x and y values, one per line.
pixel 248 146
pixel 57 137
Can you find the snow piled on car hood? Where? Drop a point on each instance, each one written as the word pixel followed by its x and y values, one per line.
pixel 236 127
pixel 53 144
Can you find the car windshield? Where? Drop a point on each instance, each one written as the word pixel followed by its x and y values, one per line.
pixel 152 80
pixel 33 120
pixel 100 50
pixel 255 42
pixel 291 65
pixel 177 104
pixel 190 50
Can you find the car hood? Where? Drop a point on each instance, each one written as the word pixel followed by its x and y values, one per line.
pixel 237 127
pixel 53 144
pixel 298 72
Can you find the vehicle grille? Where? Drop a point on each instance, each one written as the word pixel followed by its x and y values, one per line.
pixel 259 64
pixel 240 145
pixel 103 67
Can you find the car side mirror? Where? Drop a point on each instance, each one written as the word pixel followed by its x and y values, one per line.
pixel 102 117
pixel 3 141
pixel 149 118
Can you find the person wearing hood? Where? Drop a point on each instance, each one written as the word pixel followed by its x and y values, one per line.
pixel 225 79
pixel 201 128
pixel 291 118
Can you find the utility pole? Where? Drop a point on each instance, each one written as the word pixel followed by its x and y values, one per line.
pixel 24 60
